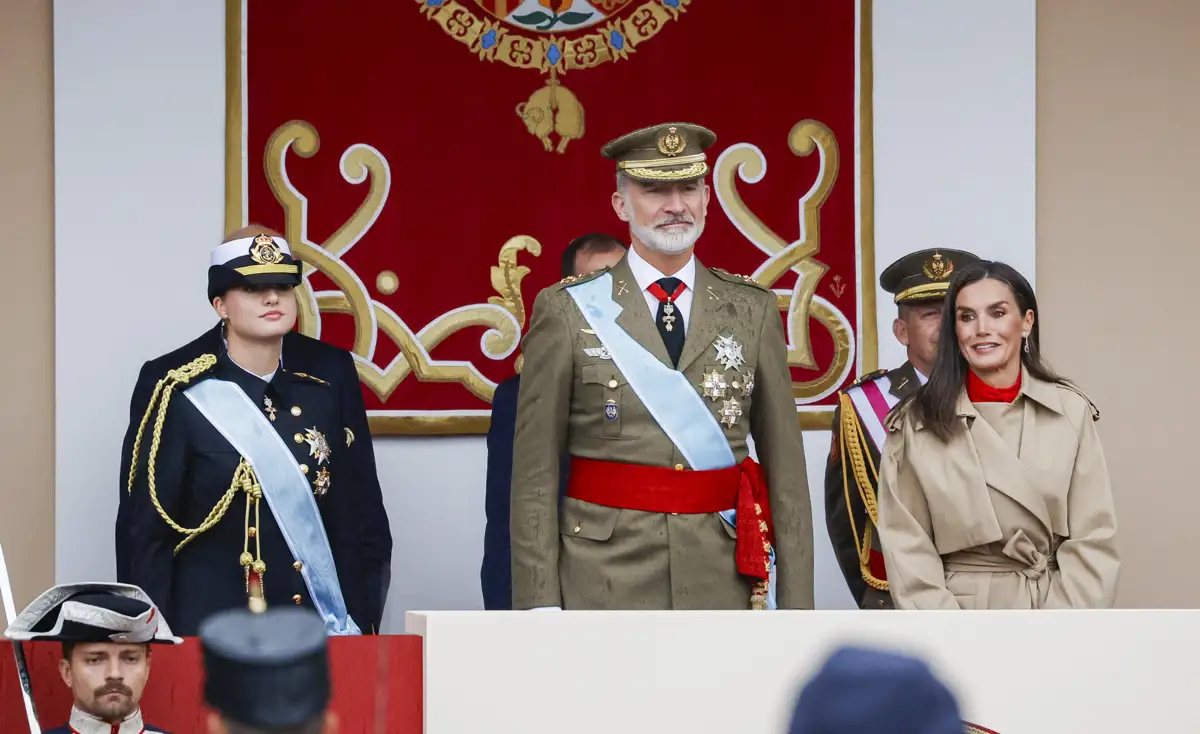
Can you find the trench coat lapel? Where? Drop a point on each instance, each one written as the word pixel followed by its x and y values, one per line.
pixel 635 317
pixel 1003 470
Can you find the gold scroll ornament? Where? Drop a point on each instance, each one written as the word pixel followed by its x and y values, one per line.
pixel 802 303
pixel 503 315
pixel 530 40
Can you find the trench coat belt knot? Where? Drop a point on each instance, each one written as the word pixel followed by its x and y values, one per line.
pixel 1020 555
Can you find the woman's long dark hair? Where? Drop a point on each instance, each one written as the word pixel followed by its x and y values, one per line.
pixel 935 402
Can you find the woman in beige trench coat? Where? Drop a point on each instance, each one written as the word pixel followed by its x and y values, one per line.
pixel 993 490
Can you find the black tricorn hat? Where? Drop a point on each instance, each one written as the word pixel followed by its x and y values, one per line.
pixel 92 612
pixel 268 669
pixel 260 260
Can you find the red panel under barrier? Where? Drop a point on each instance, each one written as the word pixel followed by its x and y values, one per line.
pixel 376 686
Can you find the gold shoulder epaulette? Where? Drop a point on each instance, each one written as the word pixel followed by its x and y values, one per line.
pixel 178 376
pixel 195 368
pixel 314 378
pixel 867 378
pixel 576 279
pixel 736 278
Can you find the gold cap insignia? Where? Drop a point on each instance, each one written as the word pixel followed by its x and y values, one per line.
pixel 938 268
pixel 264 251
pixel 672 142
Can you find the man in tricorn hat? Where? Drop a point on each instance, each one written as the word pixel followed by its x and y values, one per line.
pixel 106 631
pixel 651 375
pixel 918 283
pixel 266 672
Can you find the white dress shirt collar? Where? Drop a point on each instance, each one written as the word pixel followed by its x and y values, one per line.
pixel 645 274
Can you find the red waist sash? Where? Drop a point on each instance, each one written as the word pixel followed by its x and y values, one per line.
pixel 742 487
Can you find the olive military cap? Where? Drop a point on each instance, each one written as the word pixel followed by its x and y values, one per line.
pixel 672 151
pixel 923 275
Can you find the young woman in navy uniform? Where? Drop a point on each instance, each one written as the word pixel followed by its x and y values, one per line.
pixel 239 469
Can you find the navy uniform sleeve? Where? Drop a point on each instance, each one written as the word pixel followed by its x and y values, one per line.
pixel 151 541
pixel 142 391
pixel 376 538
pixel 496 574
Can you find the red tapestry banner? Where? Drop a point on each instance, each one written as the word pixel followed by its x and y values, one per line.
pixel 429 160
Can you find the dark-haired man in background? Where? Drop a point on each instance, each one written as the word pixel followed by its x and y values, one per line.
pixel 585 254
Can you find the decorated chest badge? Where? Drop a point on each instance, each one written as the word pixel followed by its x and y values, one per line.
pixel 717 386
pixel 729 352
pixel 318 447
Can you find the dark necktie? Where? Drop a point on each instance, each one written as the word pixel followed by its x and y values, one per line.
pixel 669 319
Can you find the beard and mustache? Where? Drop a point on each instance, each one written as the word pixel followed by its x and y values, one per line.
pixel 113 710
pixel 668 242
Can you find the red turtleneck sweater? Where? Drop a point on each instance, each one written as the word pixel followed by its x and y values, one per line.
pixel 979 391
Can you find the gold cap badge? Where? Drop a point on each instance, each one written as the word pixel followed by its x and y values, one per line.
pixel 264 251
pixel 672 142
pixel 938 268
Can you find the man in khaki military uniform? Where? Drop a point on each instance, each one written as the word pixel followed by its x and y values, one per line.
pixel 918 282
pixel 651 375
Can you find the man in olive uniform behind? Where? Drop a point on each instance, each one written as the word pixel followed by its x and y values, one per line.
pixel 918 282
pixel 651 375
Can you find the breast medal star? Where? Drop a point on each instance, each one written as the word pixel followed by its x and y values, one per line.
pixel 714 385
pixel 748 384
pixel 731 410
pixel 729 352
pixel 318 447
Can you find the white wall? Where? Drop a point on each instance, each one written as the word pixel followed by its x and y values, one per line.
pixel 696 672
pixel 139 166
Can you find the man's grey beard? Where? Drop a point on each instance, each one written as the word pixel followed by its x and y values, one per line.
pixel 668 242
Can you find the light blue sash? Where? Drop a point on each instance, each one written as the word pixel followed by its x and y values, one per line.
pixel 286 490
pixel 672 401
pixel 666 393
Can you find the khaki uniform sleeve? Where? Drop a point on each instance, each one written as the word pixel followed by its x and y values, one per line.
pixel 777 439
pixel 1087 560
pixel 837 513
pixel 916 576
pixel 539 443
